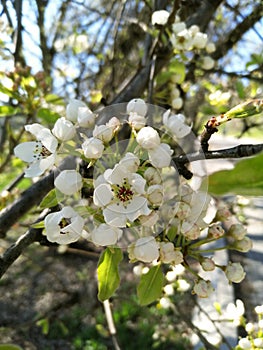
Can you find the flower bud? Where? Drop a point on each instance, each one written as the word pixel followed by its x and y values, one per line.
pixel 131 162
pixel 237 231
pixel 244 245
pixel 160 17
pixel 72 109
pixel 155 194
pixel 106 235
pixel 245 344
pixel 137 106
pixel 208 264
pixel 168 254
pixel 68 182
pixel 148 138
pixel 258 342
pixel 234 272
pixel 103 133
pixel 145 249
pixel 208 63
pixel 200 40
pixel 210 48
pixel 152 176
pixel 63 129
pixel 215 231
pixel 183 210
pixel 177 103
pixel 190 231
pixel 223 214
pixel 160 157
pixel 203 288
pixel 86 118
pixel 93 148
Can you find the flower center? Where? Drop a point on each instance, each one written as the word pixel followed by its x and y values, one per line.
pixel 123 192
pixel 63 223
pixel 41 151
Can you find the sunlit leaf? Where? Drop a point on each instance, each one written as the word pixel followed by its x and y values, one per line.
pixel 108 274
pixel 150 286
pixel 47 115
pixel 7 111
pixel 245 179
pixel 51 199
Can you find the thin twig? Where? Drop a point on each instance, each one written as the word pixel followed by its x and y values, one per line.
pixel 111 325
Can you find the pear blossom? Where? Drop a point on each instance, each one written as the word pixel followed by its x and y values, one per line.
pixel 200 40
pixel 149 220
pixel 177 103
pixel 258 342
pixel 68 182
pixel 208 264
pixel 121 196
pixel 210 47
pixel 92 148
pixel 178 27
pixel 203 288
pixel 41 154
pixel 64 226
pixel 152 176
pixel 72 109
pixel 190 231
pixel 155 194
pixel 244 245
pixel 207 63
pixel 160 17
pixel 245 344
pixel 114 123
pixel 176 124
pixel 131 162
pixel 145 249
pixel 137 109
pixel 216 231
pixel 137 106
pixel 105 235
pixel 103 132
pixel 168 254
pixel 235 272
pixel 85 117
pixel 237 231
pixel 148 138
pixel 64 130
pixel 160 157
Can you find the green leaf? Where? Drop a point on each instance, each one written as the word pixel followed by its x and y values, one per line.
pixel 108 274
pixel 245 179
pixel 51 199
pixel 44 324
pixel 178 68
pixel 47 115
pixel 7 111
pixel 10 347
pixel 39 224
pixel 150 286
pixel 54 99
pixel 246 109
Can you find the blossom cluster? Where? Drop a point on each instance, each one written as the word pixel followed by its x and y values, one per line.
pixel 138 202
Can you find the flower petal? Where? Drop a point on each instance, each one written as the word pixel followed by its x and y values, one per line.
pixel 112 219
pixel 102 195
pixel 26 151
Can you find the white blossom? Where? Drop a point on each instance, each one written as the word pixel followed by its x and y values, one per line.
pixel 131 162
pixel 64 226
pixel 177 103
pixel 72 109
pixel 208 264
pixel 244 245
pixel 41 154
pixel 207 63
pixel 160 17
pixel 92 148
pixel 237 231
pixel 68 182
pixel 85 118
pixel 121 196
pixel 176 124
pixel 203 288
pixel 145 249
pixel 148 138
pixel 64 130
pixel 105 235
pixel 149 220
pixel 103 132
pixel 160 157
pixel 210 48
pixel 234 272
pixel 152 176
pixel 155 194
pixel 168 254
pixel 200 40
pixel 245 344
pixel 137 106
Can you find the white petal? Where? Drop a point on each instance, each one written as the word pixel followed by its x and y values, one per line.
pixel 37 168
pixel 26 151
pixel 138 206
pixel 118 174
pixel 48 140
pixel 138 106
pixel 114 219
pixel 102 195
pixel 68 182
pixel 138 183
pixel 34 129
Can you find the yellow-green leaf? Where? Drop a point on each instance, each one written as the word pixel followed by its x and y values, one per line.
pixel 150 286
pixel 50 200
pixel 108 273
